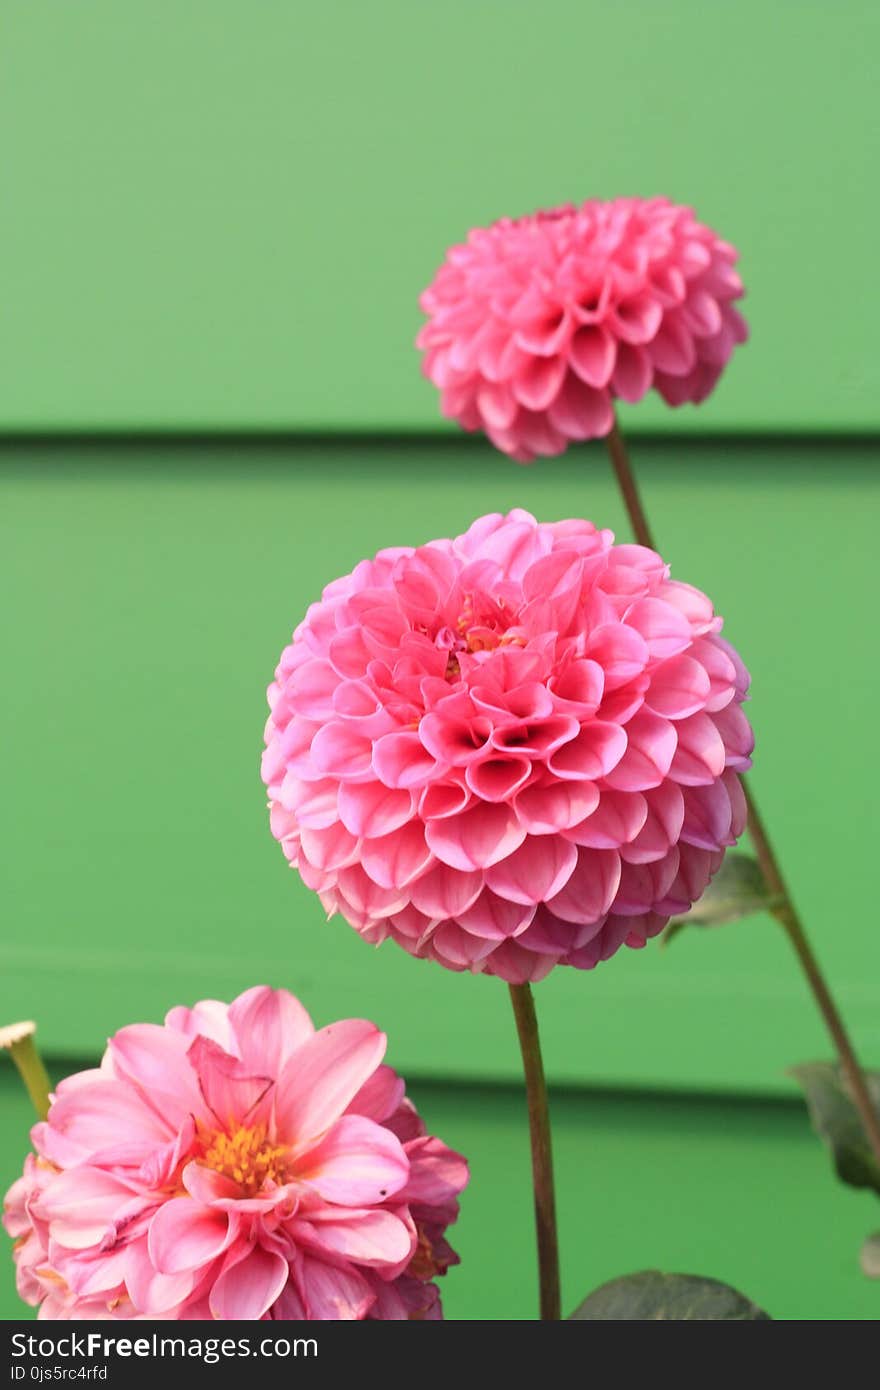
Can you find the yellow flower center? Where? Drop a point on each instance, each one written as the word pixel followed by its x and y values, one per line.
pixel 247 1157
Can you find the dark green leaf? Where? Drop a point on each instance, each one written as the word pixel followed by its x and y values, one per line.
pixel 655 1297
pixel 870 1256
pixel 836 1119
pixel 737 890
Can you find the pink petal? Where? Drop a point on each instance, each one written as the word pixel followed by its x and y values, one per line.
pixel 679 687
pixel 597 749
pixel 495 918
pixel 497 405
pixel 700 756
pixel 93 1118
pixel 620 651
pixel 536 737
pixel 310 690
pixel 367 897
pixel 395 860
pixel 443 799
pixel 536 871
pixel 208 1188
pixel 333 1294
pixel 458 949
pixel 632 373
pixel 579 688
pixel 651 745
pixel 643 885
pixel 322 1076
pixel 498 779
pixel 477 838
pixel 661 829
pixel 707 823
pixel 537 383
pixel 617 820
pixel 185 1236
pixel 552 806
pixel 380 1095
pixel 329 850
pixel 153 1294
pixel 341 752
pixel 357 1163
pixel 553 576
pixel 315 803
pixel 248 1288
pixel 229 1087
pixel 401 760
pixel 370 808
pixel 737 736
pixel 154 1060
pixel 437 1174
pixel 672 350
pixel 374 1238
pixel 445 892
pixel 665 630
pixel 715 659
pixel 268 1025
pixel 592 353
pixel 590 890
pixel 209 1017
pixel 581 412
pixel 82 1205
pixel 455 742
pixel 636 320
pixel 692 603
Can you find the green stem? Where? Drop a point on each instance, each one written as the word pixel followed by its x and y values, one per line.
pixel 18 1041
pixel 786 913
pixel 542 1155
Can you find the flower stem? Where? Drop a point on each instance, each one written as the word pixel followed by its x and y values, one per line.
pixel 786 913
pixel 542 1154
pixel 18 1040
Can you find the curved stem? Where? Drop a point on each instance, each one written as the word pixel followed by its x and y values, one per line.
pixel 786 913
pixel 542 1155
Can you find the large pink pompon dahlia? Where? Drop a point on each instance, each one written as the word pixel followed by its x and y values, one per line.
pixel 535 324
pixel 508 751
pixel 235 1164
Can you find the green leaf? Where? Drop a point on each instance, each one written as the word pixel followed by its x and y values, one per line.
pixel 837 1121
pixel 869 1258
pixel 737 890
pixel 655 1297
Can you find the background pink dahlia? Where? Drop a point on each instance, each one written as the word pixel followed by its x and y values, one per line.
pixel 508 751
pixel 536 324
pixel 235 1164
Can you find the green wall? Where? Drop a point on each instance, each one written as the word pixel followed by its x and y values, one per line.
pixel 152 590
pixel 219 214
pixel 217 219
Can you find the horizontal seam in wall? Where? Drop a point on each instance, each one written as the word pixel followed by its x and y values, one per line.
pixel 149 437
pixel 697 1096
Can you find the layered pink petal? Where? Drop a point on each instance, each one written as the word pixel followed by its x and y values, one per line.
pixel 322 1076
pixel 357 1162
pixel 247 1288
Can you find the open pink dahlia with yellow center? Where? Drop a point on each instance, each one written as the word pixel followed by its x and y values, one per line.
pixel 511 750
pixel 236 1164
pixel 535 324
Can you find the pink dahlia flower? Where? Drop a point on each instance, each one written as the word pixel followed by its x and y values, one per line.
pixel 508 751
pixel 235 1163
pixel 536 324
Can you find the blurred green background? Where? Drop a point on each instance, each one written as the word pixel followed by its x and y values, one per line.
pixel 218 219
